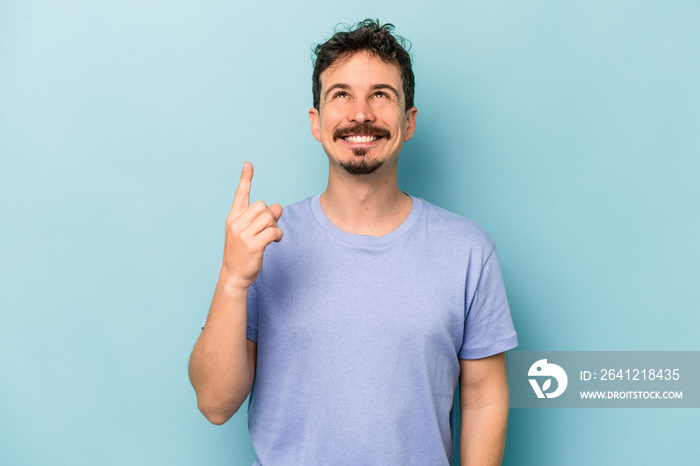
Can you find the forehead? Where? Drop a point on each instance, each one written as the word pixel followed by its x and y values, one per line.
pixel 361 69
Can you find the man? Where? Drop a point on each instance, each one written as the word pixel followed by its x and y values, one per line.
pixel 356 327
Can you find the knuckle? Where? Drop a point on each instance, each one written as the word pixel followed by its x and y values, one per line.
pixel 259 205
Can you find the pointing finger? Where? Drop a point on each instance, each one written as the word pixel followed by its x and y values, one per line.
pixel 242 198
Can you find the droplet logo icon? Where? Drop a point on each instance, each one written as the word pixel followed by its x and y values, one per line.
pixel 542 368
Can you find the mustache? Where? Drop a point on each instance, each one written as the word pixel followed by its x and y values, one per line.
pixel 361 130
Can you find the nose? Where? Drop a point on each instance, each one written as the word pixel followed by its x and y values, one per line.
pixel 361 112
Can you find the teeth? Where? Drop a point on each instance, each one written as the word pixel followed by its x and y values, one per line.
pixel 360 139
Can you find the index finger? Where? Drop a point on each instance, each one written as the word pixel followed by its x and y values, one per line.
pixel 241 200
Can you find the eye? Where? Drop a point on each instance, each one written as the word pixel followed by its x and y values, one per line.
pixel 380 94
pixel 340 94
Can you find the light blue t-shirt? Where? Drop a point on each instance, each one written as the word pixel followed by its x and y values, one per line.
pixel 359 337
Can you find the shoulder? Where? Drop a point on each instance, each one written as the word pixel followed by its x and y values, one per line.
pixel 452 227
pixel 296 214
pixel 299 227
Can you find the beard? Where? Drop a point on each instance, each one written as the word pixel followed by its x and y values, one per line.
pixel 360 165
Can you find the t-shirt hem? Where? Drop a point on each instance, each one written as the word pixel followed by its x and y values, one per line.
pixel 251 334
pixel 490 350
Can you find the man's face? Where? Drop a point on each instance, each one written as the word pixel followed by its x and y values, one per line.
pixel 363 121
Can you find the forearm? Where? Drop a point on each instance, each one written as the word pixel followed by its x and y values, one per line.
pixel 219 366
pixel 483 434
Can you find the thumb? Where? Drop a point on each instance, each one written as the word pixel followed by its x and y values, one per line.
pixel 276 211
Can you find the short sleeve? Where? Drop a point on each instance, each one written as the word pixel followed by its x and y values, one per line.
pixel 251 332
pixel 488 326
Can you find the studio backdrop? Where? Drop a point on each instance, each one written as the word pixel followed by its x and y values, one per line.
pixel 570 131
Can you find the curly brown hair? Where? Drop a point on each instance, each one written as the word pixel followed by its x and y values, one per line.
pixel 368 35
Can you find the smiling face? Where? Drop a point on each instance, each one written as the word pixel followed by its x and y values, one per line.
pixel 362 122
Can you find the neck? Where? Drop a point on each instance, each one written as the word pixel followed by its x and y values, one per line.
pixel 366 204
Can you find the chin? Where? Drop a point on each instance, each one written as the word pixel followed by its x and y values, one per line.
pixel 362 167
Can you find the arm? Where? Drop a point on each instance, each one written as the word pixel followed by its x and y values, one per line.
pixel 483 397
pixel 222 364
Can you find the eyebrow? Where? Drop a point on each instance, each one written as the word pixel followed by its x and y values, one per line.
pixel 374 87
pixel 333 87
pixel 386 86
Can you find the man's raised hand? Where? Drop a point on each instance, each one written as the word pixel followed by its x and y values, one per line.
pixel 249 229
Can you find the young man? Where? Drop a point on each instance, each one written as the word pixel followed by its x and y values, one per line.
pixel 355 329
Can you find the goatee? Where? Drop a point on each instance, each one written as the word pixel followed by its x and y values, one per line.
pixel 361 166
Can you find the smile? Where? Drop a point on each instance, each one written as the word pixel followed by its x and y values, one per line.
pixel 361 134
pixel 360 139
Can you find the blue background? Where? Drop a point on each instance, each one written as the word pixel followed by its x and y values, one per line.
pixel 568 130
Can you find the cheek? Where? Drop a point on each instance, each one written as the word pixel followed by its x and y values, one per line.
pixel 329 122
pixel 335 108
pixel 399 120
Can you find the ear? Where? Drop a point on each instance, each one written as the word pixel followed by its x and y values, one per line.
pixel 315 120
pixel 410 123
